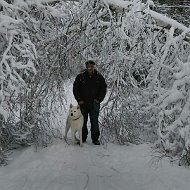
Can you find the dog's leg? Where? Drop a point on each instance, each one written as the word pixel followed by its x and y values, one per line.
pixel 76 140
pixel 67 128
pixel 73 135
pixel 80 135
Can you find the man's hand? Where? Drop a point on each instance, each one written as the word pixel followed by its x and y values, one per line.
pixel 81 102
pixel 96 101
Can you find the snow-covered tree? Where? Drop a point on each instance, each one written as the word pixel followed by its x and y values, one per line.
pixel 168 91
pixel 17 64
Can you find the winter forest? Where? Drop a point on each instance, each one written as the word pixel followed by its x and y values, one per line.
pixel 143 54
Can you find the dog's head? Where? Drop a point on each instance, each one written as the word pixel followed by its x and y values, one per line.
pixel 74 112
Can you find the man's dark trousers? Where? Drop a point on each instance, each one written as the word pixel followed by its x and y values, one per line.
pixel 93 112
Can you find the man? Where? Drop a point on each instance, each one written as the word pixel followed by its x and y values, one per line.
pixel 89 90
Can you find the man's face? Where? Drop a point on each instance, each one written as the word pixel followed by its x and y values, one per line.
pixel 90 68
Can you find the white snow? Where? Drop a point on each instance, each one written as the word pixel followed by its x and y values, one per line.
pixel 68 167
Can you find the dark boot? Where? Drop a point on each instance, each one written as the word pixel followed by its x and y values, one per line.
pixel 97 142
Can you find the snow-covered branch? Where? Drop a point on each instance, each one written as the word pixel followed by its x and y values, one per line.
pixel 119 3
pixel 31 2
pixel 161 20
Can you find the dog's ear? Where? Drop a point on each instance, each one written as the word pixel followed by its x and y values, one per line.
pixel 78 106
pixel 71 105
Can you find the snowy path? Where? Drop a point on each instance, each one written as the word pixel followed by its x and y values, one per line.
pixel 67 167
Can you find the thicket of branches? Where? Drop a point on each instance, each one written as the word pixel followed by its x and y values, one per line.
pixel 145 65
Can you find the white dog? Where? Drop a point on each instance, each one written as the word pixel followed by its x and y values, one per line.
pixel 74 121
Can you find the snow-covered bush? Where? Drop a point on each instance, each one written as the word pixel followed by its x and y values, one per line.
pixel 17 62
pixel 168 92
pixel 174 109
pixel 120 121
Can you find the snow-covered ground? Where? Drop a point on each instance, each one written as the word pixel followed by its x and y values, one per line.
pixel 62 166
pixel 66 167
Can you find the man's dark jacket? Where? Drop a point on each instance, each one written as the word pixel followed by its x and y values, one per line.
pixel 88 89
